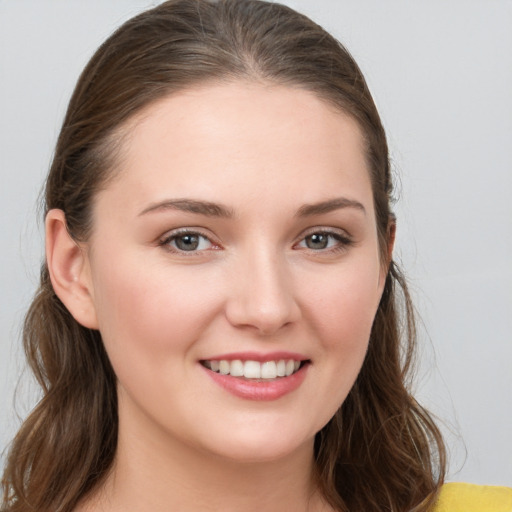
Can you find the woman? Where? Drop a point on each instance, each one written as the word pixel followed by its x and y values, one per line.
pixel 217 324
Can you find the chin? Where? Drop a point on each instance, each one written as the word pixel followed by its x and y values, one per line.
pixel 260 445
pixel 250 453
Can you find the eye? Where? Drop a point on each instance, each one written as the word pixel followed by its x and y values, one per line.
pixel 319 241
pixel 186 241
pixel 325 241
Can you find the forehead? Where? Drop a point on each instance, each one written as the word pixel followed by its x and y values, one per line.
pixel 264 139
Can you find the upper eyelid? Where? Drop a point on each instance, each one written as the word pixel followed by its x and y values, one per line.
pixel 196 230
pixel 186 231
pixel 324 229
pixel 344 240
pixel 168 236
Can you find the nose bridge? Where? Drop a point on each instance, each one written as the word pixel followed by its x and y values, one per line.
pixel 263 296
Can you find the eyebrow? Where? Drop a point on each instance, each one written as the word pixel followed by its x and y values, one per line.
pixel 210 209
pixel 192 206
pixel 330 205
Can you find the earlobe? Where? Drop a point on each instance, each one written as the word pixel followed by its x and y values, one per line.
pixel 69 270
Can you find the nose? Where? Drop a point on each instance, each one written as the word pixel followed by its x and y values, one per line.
pixel 262 298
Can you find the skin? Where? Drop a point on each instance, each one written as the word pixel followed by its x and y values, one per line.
pixel 254 284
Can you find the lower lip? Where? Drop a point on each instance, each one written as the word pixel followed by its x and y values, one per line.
pixel 259 390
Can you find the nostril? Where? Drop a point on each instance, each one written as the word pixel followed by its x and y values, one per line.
pixel 262 296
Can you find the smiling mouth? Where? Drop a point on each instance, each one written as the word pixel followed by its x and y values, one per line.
pixel 254 370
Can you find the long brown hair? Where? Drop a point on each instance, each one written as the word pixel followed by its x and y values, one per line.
pixel 381 451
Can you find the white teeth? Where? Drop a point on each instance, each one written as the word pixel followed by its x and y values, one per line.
pixel 289 367
pixel 237 368
pixel 254 369
pixel 281 368
pixel 224 367
pixel 269 370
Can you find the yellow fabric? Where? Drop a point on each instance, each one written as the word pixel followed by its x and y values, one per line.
pixel 457 497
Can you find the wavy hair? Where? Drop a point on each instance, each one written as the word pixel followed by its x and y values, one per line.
pixel 381 451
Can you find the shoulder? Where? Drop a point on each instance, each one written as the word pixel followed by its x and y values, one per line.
pixel 458 497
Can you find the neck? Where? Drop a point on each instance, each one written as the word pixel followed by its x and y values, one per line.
pixel 159 474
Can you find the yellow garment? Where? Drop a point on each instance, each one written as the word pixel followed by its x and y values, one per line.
pixel 457 497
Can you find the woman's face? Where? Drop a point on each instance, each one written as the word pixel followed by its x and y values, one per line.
pixel 237 243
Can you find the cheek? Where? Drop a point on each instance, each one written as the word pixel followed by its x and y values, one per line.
pixel 148 311
pixel 150 320
pixel 341 308
pixel 344 304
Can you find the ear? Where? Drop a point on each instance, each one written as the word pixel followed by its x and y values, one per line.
pixel 391 237
pixel 68 266
pixel 390 240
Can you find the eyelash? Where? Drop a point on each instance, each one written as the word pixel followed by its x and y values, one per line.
pixel 182 233
pixel 342 241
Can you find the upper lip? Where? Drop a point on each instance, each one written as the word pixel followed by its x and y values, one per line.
pixel 258 356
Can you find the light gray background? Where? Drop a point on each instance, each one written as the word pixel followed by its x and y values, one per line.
pixel 441 74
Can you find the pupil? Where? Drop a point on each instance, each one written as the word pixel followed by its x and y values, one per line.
pixel 317 241
pixel 187 242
